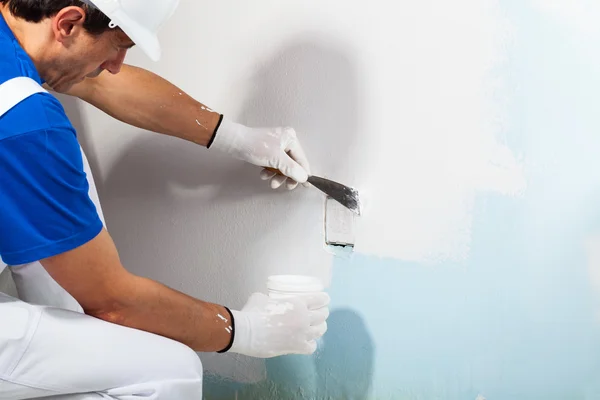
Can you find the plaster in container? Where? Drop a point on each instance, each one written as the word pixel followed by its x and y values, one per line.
pixel 287 286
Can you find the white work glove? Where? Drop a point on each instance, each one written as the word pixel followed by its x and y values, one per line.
pixel 276 148
pixel 268 328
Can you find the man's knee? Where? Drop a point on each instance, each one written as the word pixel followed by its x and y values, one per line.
pixel 186 376
pixel 177 361
pixel 177 374
pixel 187 361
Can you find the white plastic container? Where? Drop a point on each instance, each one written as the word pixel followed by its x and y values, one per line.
pixel 286 286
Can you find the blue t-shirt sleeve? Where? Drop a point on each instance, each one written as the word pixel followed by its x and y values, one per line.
pixel 45 208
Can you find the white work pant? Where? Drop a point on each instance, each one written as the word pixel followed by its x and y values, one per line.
pixel 59 354
pixel 49 349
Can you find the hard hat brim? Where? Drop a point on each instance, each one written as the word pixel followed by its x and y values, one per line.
pixel 147 41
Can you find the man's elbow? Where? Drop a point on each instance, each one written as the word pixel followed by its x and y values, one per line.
pixel 113 304
pixel 93 274
pixel 113 312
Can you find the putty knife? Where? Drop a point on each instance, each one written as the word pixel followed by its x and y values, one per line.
pixel 346 196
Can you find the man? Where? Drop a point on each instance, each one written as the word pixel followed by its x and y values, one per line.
pixel 137 337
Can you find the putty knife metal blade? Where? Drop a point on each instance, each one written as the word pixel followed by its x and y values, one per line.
pixel 346 196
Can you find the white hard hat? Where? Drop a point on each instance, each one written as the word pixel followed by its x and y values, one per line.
pixel 139 19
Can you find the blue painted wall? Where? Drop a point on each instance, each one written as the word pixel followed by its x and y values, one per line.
pixel 517 320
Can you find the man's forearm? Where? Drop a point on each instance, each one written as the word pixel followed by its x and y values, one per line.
pixel 153 307
pixel 143 99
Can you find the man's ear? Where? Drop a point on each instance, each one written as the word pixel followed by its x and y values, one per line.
pixel 67 23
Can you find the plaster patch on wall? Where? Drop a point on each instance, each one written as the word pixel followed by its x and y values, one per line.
pixel 439 139
pixel 339 224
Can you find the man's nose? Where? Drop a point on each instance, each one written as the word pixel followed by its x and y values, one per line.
pixel 114 66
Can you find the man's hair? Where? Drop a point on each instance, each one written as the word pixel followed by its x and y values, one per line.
pixel 35 11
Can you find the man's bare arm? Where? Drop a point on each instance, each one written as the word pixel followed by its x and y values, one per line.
pixel 94 276
pixel 143 99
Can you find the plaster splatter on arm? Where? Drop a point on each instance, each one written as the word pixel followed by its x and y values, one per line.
pixel 228 328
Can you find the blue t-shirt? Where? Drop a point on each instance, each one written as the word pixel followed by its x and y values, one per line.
pixel 45 207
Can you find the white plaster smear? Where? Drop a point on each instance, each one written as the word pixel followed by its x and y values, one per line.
pixel 579 15
pixel 438 141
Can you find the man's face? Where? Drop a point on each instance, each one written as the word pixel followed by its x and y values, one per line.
pixel 82 55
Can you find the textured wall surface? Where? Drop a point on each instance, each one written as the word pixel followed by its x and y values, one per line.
pixel 471 129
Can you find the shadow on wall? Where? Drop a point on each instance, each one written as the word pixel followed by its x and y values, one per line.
pixel 342 369
pixel 314 87
pixel 7 285
pixel 183 216
pixel 345 366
